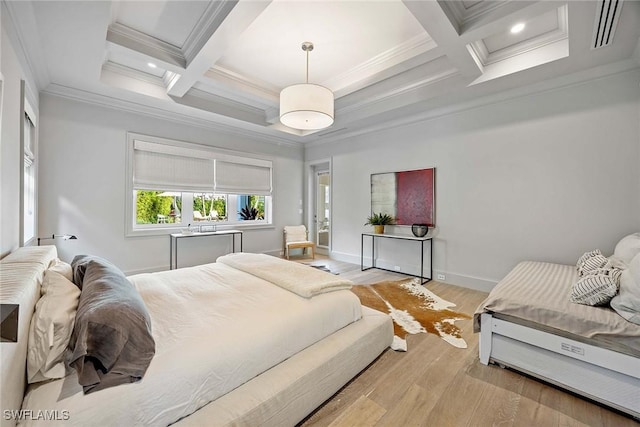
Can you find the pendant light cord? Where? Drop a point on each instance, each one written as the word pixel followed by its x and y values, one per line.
pixel 307 47
pixel 307 66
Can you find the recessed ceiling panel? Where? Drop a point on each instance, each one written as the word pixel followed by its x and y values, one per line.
pixel 136 63
pixel 534 27
pixel 345 35
pixel 169 21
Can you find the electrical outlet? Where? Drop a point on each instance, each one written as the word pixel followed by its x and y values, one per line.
pixel 441 277
pixel 396 267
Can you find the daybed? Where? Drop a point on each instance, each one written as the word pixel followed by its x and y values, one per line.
pixel 230 347
pixel 528 323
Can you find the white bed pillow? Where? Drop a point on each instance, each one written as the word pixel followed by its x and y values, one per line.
pixel 627 302
pixel 62 268
pixel 51 327
pixel 626 249
pixel 596 287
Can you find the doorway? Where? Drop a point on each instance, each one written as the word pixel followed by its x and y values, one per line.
pixel 323 209
pixel 319 203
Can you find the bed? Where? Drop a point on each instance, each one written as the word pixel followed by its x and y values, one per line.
pixel 231 348
pixel 528 323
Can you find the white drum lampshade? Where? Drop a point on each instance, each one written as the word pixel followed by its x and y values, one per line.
pixel 306 106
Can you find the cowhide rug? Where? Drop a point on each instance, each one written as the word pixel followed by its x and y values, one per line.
pixel 414 309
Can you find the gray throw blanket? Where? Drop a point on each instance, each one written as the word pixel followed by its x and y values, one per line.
pixel 111 342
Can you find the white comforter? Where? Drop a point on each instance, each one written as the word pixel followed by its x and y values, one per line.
pixel 215 328
pixel 297 278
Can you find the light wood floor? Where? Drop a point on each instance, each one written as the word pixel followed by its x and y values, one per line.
pixel 436 384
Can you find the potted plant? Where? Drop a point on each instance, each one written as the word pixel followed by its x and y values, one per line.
pixel 250 213
pixel 379 220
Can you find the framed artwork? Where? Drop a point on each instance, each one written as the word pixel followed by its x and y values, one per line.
pixel 408 196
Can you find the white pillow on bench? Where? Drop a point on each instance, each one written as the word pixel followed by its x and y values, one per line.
pixel 627 302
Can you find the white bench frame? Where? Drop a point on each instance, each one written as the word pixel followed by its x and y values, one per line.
pixel 605 376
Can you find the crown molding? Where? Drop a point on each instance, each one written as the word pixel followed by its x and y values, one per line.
pixel 478 11
pixel 411 48
pixel 212 17
pixel 464 17
pixel 257 132
pixel 258 88
pixel 30 52
pixel 401 90
pixel 140 42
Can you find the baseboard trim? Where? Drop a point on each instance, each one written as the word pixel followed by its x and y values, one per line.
pixel 470 282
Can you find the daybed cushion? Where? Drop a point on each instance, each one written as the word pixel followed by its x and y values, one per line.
pixel 51 327
pixel 111 342
pixel 627 302
pixel 536 294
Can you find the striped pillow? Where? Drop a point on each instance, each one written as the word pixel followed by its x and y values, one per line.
pixel 597 287
pixel 591 261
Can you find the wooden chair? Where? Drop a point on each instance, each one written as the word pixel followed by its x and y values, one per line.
pixel 297 237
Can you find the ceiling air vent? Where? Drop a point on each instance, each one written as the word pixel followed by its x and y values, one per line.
pixel 607 14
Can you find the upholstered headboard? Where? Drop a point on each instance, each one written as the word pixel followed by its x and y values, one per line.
pixel 21 274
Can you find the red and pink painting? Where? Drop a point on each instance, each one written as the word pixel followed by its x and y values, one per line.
pixel 406 195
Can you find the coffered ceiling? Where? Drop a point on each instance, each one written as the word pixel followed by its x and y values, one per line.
pixel 224 63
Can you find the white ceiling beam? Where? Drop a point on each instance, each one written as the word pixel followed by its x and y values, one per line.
pixel 435 21
pixel 225 107
pixel 238 20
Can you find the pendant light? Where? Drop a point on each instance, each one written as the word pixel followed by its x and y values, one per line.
pixel 306 106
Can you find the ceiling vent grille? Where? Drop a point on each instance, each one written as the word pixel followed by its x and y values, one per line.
pixel 604 27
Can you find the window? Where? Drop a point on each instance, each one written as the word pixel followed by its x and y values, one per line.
pixel 175 184
pixel 29 180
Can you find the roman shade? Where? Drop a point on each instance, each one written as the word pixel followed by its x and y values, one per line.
pixel 167 167
pixel 243 176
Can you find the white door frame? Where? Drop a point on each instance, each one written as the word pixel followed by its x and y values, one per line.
pixel 312 168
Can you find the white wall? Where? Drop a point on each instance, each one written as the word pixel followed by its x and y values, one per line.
pixel 13 71
pixel 82 181
pixel 541 177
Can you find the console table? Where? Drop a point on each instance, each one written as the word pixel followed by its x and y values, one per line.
pixel 173 251
pixel 420 240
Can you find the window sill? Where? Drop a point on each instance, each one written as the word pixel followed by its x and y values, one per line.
pixel 160 231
